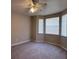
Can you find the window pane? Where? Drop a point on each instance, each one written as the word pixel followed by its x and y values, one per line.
pixel 40 26
pixel 52 25
pixel 64 25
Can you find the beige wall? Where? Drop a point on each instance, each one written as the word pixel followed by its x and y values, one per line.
pixel 63 42
pixel 52 38
pixel 20 28
pixel 55 39
pixel 33 28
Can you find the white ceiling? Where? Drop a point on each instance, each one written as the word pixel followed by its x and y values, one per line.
pixel 53 6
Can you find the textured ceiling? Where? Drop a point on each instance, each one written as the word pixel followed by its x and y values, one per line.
pixel 53 6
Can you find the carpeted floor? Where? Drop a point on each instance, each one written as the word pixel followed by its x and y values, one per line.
pixel 33 50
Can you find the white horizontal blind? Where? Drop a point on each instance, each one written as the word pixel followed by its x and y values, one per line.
pixel 64 25
pixel 40 26
pixel 52 25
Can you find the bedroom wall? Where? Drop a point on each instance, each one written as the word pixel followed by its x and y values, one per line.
pixel 33 28
pixel 63 42
pixel 20 28
pixel 52 38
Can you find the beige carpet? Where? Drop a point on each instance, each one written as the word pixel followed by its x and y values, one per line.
pixel 33 50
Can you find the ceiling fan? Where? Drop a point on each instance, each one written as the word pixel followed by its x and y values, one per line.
pixel 35 5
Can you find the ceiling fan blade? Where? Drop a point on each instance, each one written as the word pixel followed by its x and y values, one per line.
pixel 36 5
pixel 35 1
pixel 41 5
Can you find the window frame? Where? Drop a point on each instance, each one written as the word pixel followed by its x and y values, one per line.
pixel 52 33
pixel 61 26
pixel 44 26
pixel 60 14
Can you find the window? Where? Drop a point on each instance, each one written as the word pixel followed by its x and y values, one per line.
pixel 52 25
pixel 64 25
pixel 40 26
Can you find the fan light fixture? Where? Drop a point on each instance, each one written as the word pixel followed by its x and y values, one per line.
pixel 34 8
pixel 35 5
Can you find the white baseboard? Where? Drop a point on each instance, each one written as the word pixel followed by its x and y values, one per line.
pixel 57 45
pixel 18 43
